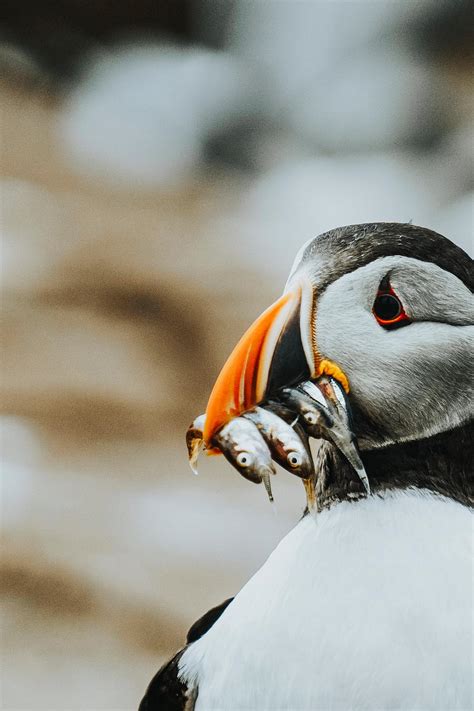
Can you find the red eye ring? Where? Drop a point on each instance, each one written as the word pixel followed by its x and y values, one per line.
pixel 388 308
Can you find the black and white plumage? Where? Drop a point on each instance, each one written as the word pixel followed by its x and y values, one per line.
pixel 368 604
pixel 166 690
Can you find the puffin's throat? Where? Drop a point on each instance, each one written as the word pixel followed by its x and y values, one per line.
pixel 441 464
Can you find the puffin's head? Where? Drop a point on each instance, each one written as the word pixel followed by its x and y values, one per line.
pixel 385 308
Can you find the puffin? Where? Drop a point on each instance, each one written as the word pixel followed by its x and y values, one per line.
pixel 367 603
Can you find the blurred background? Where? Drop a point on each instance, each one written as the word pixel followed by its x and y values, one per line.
pixel 162 162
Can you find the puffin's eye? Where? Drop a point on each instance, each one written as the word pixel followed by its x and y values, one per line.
pixel 243 459
pixel 388 309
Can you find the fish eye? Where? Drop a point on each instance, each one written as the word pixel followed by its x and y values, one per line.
pixel 295 459
pixel 310 418
pixel 243 459
pixel 388 308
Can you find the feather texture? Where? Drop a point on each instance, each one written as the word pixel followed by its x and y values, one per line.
pixel 366 606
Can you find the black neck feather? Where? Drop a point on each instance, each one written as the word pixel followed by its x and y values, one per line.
pixel 442 464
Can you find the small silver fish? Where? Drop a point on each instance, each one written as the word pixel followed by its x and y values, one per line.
pixel 325 412
pixel 314 414
pixel 286 446
pixel 241 444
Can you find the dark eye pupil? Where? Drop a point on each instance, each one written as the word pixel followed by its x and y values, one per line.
pixel 387 307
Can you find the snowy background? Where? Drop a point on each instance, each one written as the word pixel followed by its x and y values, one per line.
pixel 161 165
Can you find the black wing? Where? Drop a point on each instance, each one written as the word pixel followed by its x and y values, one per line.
pixel 166 692
pixel 204 624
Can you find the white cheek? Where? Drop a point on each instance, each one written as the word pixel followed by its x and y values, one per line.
pixel 346 334
pixel 410 387
pixel 347 331
pixel 409 380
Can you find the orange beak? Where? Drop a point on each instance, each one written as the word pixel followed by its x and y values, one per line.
pixel 277 350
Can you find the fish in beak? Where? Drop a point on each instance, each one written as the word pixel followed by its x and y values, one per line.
pixel 287 447
pixel 325 412
pixel 241 444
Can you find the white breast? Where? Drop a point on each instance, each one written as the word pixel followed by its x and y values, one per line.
pixel 366 606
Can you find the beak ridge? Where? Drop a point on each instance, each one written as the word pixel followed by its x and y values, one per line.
pixel 259 363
